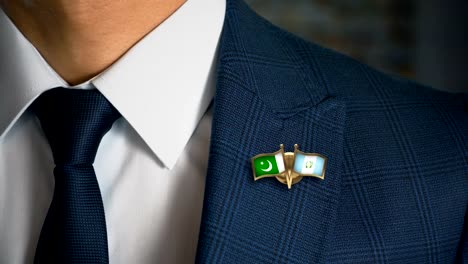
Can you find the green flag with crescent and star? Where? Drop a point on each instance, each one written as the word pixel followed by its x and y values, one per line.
pixel 268 164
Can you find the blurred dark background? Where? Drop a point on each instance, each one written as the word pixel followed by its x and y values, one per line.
pixel 423 40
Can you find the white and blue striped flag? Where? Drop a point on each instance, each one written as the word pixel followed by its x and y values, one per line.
pixel 309 164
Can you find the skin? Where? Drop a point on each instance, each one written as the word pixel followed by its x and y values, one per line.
pixel 81 38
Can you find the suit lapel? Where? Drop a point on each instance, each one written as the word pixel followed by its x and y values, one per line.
pixel 262 102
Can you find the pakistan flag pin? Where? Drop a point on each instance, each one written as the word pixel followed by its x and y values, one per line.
pixel 289 167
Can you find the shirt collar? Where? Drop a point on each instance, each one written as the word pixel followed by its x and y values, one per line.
pixel 162 86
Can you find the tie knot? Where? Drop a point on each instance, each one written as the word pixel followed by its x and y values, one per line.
pixel 74 121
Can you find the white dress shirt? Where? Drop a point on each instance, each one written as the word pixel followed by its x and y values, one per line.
pixel 150 166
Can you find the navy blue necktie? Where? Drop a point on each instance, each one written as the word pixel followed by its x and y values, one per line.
pixel 74 122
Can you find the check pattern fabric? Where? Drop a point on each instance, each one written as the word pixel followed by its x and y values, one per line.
pixel 396 185
pixel 74 122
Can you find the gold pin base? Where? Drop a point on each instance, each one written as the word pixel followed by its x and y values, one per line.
pixel 294 177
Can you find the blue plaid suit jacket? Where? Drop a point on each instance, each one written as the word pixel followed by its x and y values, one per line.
pixel 396 186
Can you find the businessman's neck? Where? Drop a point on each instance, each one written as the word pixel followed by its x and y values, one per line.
pixel 80 39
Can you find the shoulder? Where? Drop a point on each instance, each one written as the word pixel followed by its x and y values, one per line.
pixel 278 65
pixel 343 75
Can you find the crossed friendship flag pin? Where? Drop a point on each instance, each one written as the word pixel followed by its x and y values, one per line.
pixel 289 167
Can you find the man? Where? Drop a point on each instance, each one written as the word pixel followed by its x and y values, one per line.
pixel 395 188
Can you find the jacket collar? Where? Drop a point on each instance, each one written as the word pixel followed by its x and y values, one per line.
pixel 267 95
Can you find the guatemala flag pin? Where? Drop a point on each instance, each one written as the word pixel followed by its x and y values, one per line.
pixel 289 167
